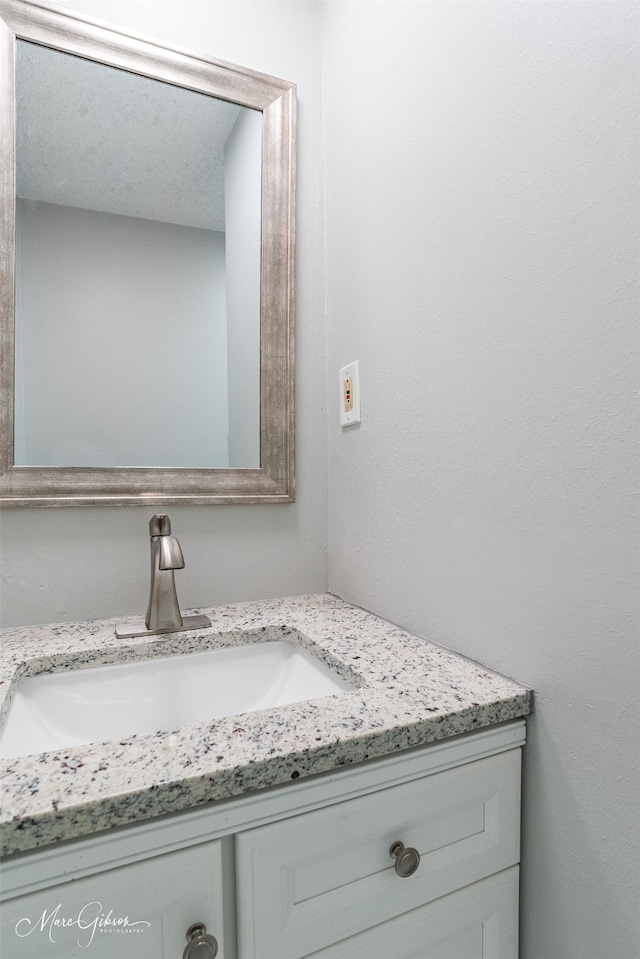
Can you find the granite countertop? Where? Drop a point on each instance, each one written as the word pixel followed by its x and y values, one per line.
pixel 410 692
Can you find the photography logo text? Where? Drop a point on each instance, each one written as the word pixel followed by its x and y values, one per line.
pixel 90 920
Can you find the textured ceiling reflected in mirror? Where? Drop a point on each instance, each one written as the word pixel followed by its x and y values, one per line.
pixel 95 137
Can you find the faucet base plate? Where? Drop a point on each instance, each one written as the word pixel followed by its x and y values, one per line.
pixel 138 627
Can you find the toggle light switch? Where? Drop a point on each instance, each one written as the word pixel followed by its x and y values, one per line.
pixel 349 377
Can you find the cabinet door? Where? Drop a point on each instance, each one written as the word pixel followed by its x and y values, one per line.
pixel 318 878
pixel 139 911
pixel 478 922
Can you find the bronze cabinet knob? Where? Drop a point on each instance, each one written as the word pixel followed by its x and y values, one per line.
pixel 200 945
pixel 407 859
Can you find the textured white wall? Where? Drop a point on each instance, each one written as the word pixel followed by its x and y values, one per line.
pixel 481 231
pixel 61 564
pixel 243 222
pixel 145 298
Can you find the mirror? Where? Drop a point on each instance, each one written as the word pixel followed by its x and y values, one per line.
pixel 147 316
pixel 137 270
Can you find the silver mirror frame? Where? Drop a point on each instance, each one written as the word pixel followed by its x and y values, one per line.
pixel 274 481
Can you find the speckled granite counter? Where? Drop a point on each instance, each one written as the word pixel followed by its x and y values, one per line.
pixel 411 692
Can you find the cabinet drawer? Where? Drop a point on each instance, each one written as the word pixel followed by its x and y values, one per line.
pixel 313 880
pixel 159 898
pixel 477 922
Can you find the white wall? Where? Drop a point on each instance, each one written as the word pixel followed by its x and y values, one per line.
pixel 481 231
pixel 243 235
pixel 61 564
pixel 126 365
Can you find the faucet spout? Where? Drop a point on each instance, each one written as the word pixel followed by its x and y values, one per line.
pixel 170 553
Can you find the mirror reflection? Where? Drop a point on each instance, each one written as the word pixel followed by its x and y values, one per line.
pixel 137 270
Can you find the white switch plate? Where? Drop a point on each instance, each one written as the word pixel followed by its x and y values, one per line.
pixel 349 377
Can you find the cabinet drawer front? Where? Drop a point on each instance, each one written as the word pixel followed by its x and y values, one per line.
pixel 477 922
pixel 313 880
pixel 142 910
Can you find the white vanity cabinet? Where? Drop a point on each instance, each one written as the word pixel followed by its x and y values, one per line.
pixel 299 871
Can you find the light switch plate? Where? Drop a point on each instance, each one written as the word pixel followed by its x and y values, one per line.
pixel 349 377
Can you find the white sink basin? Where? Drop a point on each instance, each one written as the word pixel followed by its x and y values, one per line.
pixel 58 710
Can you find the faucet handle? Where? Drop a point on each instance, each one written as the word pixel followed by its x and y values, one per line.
pixel 160 525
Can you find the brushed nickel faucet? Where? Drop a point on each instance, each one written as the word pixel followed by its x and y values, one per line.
pixel 163 611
